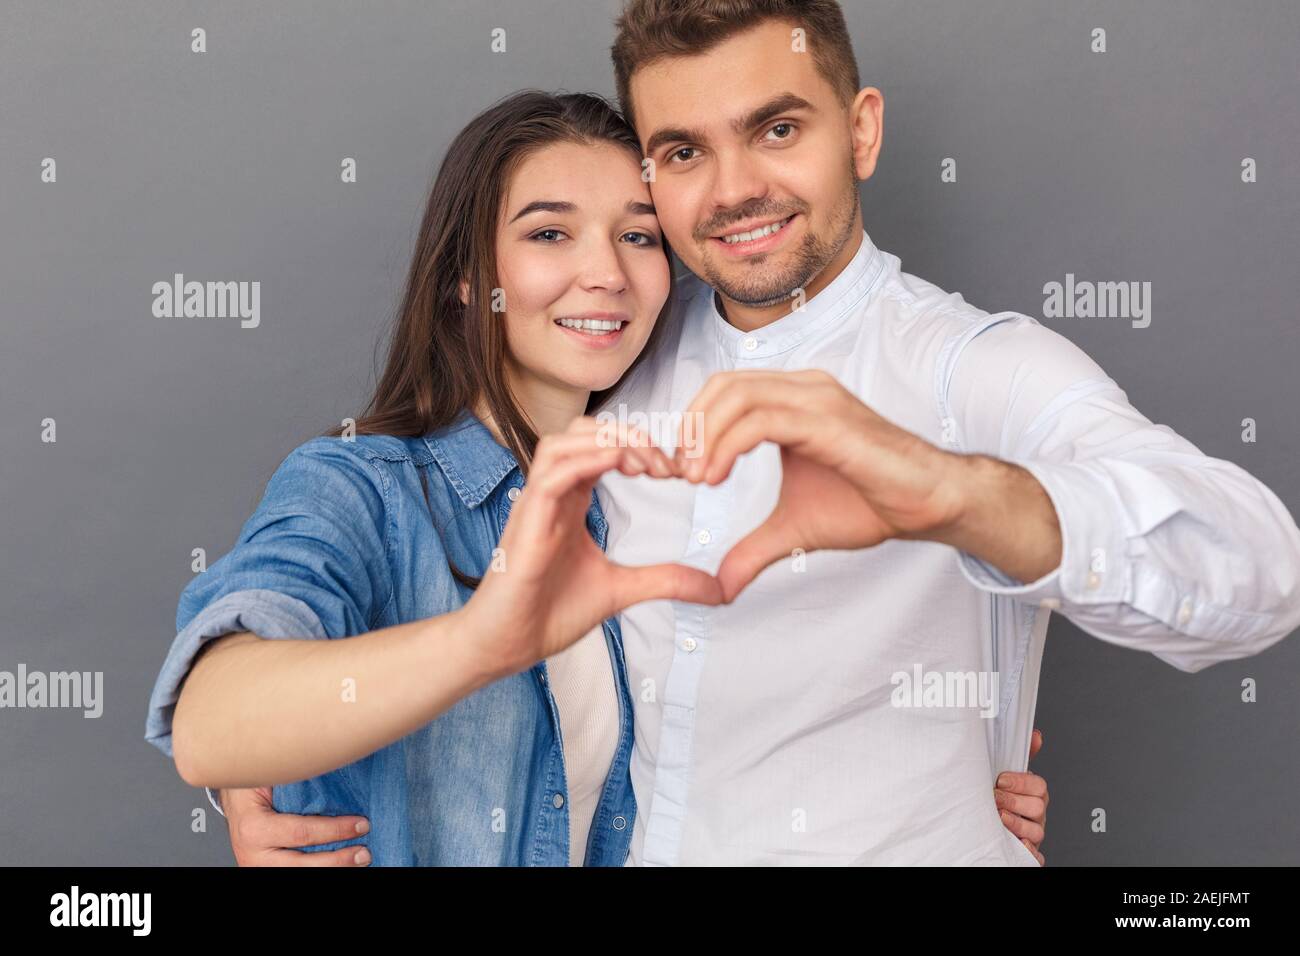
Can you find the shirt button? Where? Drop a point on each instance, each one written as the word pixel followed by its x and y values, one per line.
pixel 750 343
pixel 558 801
pixel 620 823
pixel 704 537
pixel 689 644
pixel 513 494
pixel 1185 611
pixel 1094 579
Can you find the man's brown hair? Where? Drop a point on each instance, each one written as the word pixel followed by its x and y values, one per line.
pixel 650 30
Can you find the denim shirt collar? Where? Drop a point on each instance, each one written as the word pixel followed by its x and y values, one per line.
pixel 476 465
pixel 471 458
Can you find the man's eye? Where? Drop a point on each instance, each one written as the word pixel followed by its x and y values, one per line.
pixel 677 154
pixel 787 127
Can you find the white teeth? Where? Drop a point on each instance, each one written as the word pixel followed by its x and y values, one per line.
pixel 592 326
pixel 755 234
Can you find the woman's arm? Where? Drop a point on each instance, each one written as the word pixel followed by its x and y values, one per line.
pixel 256 712
pixel 262 712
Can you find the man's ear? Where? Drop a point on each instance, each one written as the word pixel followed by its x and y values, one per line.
pixel 867 127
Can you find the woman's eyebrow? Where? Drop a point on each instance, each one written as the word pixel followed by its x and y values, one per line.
pixel 544 205
pixel 633 206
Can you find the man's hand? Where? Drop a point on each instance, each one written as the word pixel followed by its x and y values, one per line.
pixel 1022 803
pixel 851 479
pixel 262 836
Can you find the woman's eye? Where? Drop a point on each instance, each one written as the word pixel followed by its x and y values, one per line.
pixel 546 232
pixel 645 240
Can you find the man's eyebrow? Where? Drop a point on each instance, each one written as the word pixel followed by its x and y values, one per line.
pixel 634 207
pixel 781 103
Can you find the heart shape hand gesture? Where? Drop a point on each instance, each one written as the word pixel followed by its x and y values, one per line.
pixel 850 479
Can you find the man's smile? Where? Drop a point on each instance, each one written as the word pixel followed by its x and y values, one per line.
pixel 754 237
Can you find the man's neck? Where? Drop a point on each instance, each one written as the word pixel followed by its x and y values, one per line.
pixel 747 318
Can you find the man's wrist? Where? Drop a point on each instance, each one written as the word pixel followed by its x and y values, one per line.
pixel 1002 515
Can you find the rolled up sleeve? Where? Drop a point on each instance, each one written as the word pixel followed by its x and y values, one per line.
pixel 311 562
pixel 1164 549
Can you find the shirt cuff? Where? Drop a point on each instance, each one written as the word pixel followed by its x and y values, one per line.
pixel 268 614
pixel 1093 567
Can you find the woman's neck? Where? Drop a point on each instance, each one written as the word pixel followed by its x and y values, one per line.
pixel 549 409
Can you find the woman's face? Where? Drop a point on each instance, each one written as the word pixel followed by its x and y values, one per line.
pixel 582 267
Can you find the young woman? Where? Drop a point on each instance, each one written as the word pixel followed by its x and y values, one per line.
pixel 477 711
pixel 418 624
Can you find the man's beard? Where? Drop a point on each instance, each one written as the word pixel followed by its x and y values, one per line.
pixel 765 286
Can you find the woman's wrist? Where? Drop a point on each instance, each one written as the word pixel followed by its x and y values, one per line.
pixel 461 635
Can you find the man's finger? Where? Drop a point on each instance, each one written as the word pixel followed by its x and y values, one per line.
pixel 346 856
pixel 276 831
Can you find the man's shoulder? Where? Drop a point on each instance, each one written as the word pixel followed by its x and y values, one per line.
pixel 912 304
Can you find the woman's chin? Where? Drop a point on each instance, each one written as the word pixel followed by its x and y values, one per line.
pixel 597 380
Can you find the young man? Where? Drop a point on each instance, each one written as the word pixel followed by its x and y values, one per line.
pixel 901 483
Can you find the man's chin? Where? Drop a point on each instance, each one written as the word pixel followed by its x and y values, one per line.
pixel 770 290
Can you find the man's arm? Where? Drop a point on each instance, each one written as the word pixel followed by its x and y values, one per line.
pixel 1163 548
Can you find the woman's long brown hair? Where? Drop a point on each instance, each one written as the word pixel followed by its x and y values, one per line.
pixel 443 354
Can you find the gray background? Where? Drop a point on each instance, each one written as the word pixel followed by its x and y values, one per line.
pixel 225 166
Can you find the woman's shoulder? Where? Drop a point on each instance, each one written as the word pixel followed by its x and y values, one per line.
pixel 352 474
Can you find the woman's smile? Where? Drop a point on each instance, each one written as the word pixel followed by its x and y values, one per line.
pixel 594 330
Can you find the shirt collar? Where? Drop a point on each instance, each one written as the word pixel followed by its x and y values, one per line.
pixel 470 457
pixel 828 307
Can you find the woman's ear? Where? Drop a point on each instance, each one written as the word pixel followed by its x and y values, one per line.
pixel 463 287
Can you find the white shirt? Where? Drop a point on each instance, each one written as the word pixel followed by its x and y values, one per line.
pixel 582 681
pixel 766 731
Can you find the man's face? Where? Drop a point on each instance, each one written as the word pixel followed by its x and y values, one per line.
pixel 755 184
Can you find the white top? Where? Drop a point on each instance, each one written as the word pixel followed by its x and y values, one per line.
pixel 582 682
pixel 773 730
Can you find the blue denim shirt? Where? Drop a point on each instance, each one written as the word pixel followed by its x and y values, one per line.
pixel 343 543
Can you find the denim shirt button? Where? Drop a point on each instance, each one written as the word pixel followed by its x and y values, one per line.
pixel 513 494
pixel 620 822
pixel 558 801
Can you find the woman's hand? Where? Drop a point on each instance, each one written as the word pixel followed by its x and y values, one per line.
pixel 549 583
pixel 1022 800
